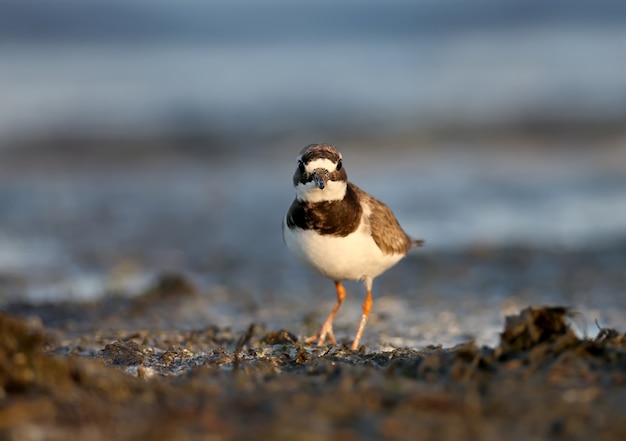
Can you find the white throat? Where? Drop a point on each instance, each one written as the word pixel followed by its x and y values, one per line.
pixel 333 191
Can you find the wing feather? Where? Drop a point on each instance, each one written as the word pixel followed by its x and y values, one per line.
pixel 385 229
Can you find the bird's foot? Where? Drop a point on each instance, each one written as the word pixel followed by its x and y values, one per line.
pixel 326 331
pixel 313 338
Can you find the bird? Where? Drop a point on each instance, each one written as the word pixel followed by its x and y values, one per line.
pixel 339 231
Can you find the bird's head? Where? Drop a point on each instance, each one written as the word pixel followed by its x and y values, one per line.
pixel 320 175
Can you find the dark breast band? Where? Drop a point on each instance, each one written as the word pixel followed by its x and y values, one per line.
pixel 336 218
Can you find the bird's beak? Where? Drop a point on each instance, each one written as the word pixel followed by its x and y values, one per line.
pixel 320 176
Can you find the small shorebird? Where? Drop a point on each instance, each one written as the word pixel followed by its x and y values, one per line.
pixel 339 231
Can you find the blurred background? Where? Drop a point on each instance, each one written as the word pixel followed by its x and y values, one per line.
pixel 141 137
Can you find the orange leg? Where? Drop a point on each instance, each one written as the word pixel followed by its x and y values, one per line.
pixel 327 327
pixel 367 307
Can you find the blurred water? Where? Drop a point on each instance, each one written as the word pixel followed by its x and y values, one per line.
pixel 248 69
pixel 209 217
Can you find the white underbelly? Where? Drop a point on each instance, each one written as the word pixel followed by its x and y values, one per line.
pixel 353 257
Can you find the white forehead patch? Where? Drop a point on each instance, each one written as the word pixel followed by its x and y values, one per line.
pixel 321 163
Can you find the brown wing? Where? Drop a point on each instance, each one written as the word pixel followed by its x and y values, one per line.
pixel 386 231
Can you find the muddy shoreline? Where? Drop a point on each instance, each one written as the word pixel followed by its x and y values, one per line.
pixel 541 382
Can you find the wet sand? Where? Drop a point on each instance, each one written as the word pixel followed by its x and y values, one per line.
pixel 121 368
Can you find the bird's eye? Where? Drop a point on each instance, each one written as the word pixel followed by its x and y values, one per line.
pixel 301 166
pixel 339 165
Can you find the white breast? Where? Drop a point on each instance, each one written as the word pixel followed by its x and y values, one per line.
pixel 353 257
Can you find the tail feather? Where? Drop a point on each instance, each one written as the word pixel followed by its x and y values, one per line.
pixel 416 243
